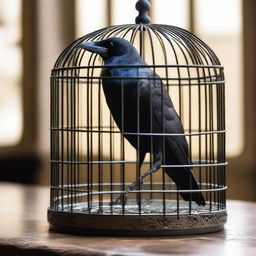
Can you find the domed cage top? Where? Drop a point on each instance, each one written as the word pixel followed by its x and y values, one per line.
pixel 93 164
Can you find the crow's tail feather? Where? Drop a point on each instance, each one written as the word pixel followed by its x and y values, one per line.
pixel 185 180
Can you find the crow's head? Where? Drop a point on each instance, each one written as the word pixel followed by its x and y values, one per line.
pixel 110 48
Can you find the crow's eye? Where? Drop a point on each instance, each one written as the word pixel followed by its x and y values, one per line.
pixel 110 44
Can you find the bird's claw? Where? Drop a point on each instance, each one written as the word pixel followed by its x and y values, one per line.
pixel 121 200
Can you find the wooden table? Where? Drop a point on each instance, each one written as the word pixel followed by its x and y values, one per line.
pixel 24 231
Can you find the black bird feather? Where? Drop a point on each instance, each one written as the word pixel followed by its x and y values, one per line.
pixel 145 100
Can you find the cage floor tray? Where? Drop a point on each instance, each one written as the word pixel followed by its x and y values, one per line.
pixel 150 219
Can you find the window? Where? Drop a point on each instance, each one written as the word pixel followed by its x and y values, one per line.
pixel 87 14
pixel 171 12
pixel 11 121
pixel 219 24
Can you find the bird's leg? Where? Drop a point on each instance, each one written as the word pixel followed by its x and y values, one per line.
pixel 156 166
pixel 123 198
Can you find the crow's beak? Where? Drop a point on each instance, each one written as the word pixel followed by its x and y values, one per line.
pixel 93 47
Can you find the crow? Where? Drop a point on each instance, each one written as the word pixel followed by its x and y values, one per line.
pixel 140 103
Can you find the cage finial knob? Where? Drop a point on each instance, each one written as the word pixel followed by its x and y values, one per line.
pixel 142 6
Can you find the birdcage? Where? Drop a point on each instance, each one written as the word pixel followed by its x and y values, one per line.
pixel 96 170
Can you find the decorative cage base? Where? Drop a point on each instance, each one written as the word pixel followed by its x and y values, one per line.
pixel 130 224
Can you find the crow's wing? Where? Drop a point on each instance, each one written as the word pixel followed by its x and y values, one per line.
pixel 165 118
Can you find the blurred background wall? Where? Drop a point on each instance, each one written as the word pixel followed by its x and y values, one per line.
pixel 34 32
